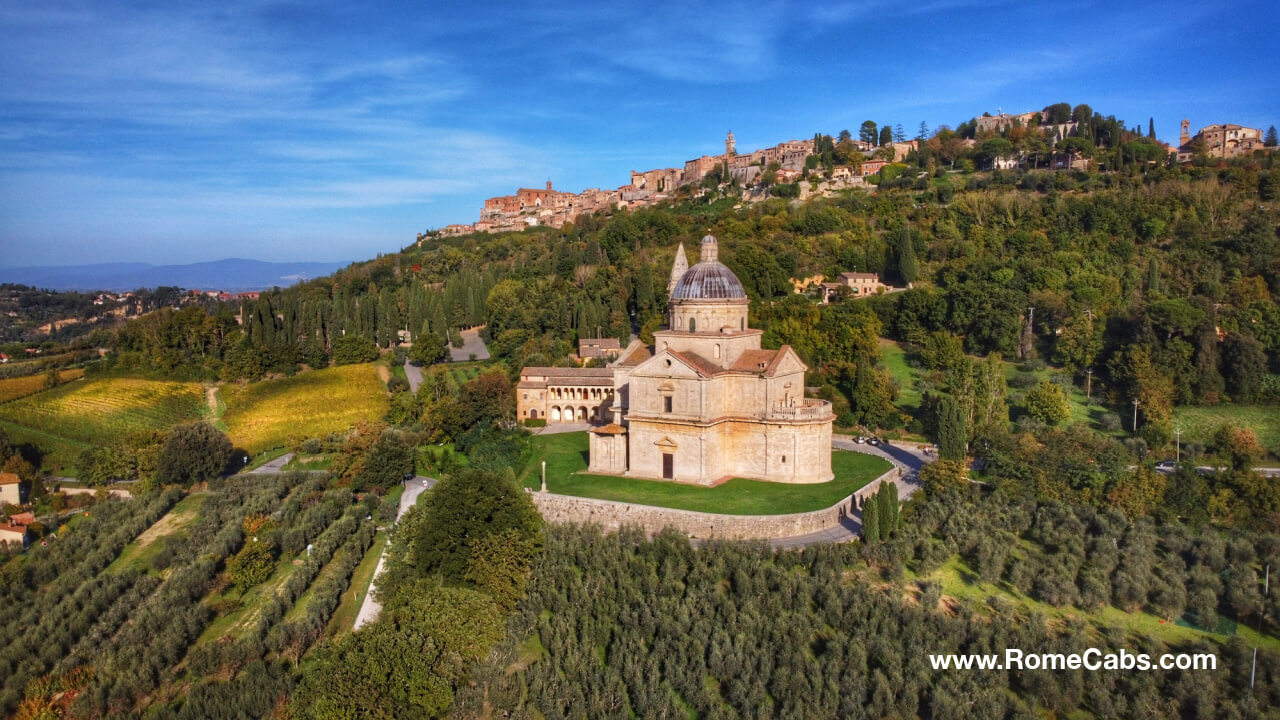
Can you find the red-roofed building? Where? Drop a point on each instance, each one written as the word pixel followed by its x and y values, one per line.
pixel 10 489
pixel 13 534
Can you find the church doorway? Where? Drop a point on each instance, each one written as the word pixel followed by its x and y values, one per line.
pixel 668 466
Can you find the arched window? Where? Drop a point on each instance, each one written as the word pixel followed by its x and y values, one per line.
pixel 693 324
pixel 742 323
pixel 717 351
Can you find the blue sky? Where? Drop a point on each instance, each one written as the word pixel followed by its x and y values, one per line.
pixel 189 131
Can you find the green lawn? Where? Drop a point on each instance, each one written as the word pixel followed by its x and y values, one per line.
pixel 895 361
pixel 959 581
pixel 1199 423
pixel 566 455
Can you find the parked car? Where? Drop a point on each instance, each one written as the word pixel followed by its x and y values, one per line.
pixel 874 441
pixel 861 440
pixel 1166 466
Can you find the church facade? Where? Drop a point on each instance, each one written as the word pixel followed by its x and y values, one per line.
pixel 705 402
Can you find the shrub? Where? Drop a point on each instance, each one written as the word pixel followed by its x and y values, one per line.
pixel 193 453
pixel 353 349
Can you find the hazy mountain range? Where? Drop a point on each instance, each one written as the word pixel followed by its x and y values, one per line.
pixel 232 275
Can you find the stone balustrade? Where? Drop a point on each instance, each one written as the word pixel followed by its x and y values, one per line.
pixel 806 409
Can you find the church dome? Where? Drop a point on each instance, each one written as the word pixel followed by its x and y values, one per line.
pixel 709 279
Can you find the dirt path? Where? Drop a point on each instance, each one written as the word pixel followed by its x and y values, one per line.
pixel 384 374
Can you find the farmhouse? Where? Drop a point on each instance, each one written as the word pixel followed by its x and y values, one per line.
pixel 13 534
pixel 589 348
pixel 10 489
pixel 862 283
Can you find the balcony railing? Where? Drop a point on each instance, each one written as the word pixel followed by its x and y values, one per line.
pixel 804 409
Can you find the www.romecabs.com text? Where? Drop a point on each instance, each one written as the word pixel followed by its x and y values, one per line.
pixel 1091 659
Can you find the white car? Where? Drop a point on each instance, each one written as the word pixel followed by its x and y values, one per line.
pixel 1166 466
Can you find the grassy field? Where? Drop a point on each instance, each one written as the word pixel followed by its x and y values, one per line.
pixel 137 554
pixel 59 453
pixel 14 388
pixel 273 413
pixel 959 581
pixel 565 454
pixel 463 372
pixel 252 603
pixel 1199 423
pixel 102 411
pixel 895 361
pixel 344 618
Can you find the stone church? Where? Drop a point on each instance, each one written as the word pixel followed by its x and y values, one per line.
pixel 705 403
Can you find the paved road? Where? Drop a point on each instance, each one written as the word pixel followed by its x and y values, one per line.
pixel 907 461
pixel 471 345
pixel 273 467
pixel 414 374
pixel 557 428
pixel 370 608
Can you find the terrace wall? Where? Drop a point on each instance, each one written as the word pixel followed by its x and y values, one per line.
pixel 613 515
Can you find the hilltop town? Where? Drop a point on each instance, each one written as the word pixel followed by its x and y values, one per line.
pixel 1059 136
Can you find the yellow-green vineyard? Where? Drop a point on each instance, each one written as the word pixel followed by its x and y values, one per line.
pixel 274 413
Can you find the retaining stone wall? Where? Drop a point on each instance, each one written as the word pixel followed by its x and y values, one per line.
pixel 613 515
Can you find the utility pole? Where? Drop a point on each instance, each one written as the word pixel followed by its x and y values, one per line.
pixel 1088 386
pixel 1177 434
pixel 1135 415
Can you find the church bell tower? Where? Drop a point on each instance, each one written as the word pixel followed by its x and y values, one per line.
pixel 730 146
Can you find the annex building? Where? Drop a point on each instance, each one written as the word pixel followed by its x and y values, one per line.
pixel 703 404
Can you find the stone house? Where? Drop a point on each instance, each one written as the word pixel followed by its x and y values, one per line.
pixel 862 283
pixel 592 348
pixel 10 489
pixel 1221 140
pixel 13 534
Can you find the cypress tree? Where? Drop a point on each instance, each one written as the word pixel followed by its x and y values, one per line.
pixel 871 521
pixel 885 511
pixel 893 503
pixel 952 432
pixel 907 267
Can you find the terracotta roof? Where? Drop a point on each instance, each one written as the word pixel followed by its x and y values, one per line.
pixel 22 518
pixel 701 365
pixel 6 527
pixel 777 358
pixel 610 429
pixel 573 372
pixel 753 361
pixel 860 276
pixel 635 356
pixel 9 479
pixel 605 343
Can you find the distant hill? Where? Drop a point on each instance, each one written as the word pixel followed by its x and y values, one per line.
pixel 232 275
